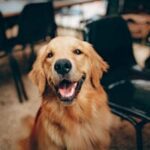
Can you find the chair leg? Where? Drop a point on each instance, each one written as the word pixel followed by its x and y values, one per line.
pixel 22 86
pixel 14 69
pixel 137 125
pixel 139 139
pixel 32 57
pixel 17 78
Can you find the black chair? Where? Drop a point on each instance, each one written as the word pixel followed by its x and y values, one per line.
pixel 35 24
pixel 5 50
pixel 112 40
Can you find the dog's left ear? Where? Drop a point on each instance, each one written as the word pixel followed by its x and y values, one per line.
pixel 98 65
pixel 37 73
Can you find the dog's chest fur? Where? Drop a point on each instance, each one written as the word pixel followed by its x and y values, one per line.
pixel 74 129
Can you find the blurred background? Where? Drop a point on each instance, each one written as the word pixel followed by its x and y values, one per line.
pixel 119 30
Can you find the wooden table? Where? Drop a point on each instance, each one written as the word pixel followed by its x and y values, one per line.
pixel 14 7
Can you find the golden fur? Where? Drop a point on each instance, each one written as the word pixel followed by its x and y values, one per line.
pixel 85 123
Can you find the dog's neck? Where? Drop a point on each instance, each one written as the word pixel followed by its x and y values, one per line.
pixel 78 110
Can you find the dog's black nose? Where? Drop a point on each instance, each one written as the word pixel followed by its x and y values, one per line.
pixel 62 66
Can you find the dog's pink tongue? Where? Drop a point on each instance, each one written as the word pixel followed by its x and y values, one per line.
pixel 67 91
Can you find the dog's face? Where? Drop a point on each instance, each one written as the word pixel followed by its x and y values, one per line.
pixel 64 65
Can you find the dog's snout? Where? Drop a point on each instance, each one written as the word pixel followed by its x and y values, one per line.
pixel 62 66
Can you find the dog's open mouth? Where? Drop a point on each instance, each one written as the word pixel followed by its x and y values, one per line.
pixel 67 90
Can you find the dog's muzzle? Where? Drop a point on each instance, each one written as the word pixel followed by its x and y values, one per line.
pixel 68 90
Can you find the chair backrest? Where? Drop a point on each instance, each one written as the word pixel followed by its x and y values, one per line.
pixel 113 7
pixel 2 32
pixel 112 40
pixel 36 22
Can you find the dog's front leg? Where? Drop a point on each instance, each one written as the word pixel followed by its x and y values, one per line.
pixel 41 136
pixel 43 143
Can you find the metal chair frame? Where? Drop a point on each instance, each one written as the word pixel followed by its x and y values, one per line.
pixel 136 117
pixel 12 63
pixel 35 23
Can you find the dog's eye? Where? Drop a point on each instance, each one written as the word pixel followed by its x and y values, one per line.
pixel 77 51
pixel 50 54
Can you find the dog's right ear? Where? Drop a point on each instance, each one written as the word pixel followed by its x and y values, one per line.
pixel 37 73
pixel 98 65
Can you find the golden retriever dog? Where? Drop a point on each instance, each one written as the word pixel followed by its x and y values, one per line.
pixel 74 114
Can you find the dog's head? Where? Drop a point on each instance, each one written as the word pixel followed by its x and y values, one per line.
pixel 65 65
